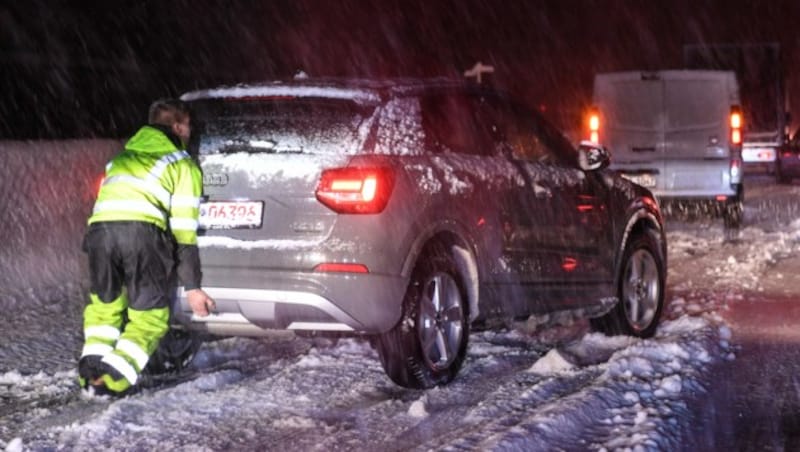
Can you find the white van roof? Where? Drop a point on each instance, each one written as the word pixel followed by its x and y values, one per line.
pixel 676 74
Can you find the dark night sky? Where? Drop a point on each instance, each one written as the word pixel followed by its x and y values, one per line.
pixel 79 69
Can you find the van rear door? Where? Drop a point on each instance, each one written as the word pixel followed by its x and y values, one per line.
pixel 697 153
pixel 632 105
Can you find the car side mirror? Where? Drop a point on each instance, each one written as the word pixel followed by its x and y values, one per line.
pixel 592 156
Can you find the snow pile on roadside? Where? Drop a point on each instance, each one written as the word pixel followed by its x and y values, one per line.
pixel 642 397
pixel 740 264
pixel 515 392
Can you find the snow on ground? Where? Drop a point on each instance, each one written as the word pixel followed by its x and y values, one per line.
pixel 563 388
pixel 567 389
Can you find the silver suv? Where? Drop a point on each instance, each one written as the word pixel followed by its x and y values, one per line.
pixel 409 212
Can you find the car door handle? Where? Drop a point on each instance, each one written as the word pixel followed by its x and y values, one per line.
pixel 644 149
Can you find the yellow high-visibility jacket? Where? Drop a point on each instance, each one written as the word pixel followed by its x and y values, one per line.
pixel 155 182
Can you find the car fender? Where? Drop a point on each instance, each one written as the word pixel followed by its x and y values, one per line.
pixel 643 212
pixel 455 235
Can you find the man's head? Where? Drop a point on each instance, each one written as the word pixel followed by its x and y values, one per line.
pixel 174 114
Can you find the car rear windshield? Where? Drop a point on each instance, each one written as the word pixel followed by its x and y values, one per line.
pixel 279 125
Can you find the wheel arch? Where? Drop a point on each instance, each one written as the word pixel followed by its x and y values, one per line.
pixel 462 249
pixel 641 220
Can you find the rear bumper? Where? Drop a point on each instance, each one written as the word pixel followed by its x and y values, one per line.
pixel 341 302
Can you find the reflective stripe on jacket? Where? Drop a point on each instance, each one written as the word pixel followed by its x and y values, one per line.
pixel 154 182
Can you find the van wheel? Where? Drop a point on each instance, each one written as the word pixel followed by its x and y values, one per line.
pixel 427 347
pixel 640 289
pixel 732 215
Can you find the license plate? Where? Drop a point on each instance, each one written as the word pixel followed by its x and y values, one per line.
pixel 758 155
pixel 231 214
pixel 645 180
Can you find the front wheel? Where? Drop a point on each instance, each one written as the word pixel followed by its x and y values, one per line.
pixel 640 289
pixel 427 347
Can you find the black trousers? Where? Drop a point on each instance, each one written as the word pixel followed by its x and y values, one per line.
pixel 133 255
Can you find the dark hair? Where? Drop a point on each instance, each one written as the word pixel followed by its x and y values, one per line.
pixel 167 112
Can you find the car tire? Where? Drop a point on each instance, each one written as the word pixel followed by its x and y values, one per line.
pixel 175 352
pixel 640 288
pixel 428 346
pixel 732 214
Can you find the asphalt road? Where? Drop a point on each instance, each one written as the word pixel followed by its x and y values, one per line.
pixel 754 402
pixel 756 397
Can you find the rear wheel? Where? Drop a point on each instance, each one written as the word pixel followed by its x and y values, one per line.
pixel 640 290
pixel 732 215
pixel 427 347
pixel 733 210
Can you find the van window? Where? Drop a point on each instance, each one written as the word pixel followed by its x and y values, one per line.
pixel 694 103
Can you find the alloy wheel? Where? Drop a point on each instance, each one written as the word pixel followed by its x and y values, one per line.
pixel 641 289
pixel 441 320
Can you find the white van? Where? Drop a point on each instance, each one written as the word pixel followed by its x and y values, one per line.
pixel 678 133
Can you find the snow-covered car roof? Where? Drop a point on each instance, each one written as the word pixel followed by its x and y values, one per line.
pixel 358 96
pixel 362 91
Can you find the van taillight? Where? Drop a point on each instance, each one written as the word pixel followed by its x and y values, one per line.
pixel 355 190
pixel 594 125
pixel 736 124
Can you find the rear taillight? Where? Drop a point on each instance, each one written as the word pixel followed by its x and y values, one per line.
pixel 593 123
pixel 337 267
pixel 736 124
pixel 355 190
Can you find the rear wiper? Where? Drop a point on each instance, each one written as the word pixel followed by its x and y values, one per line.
pixel 257 146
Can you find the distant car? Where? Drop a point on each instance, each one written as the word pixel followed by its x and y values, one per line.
pixel 409 212
pixel 788 161
pixel 678 133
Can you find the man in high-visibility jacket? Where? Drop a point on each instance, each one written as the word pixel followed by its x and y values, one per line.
pixel 143 228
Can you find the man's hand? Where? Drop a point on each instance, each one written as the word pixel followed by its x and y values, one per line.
pixel 200 302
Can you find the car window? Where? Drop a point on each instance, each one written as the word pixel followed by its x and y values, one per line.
pixel 279 125
pixel 521 132
pixel 451 125
pixel 399 131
